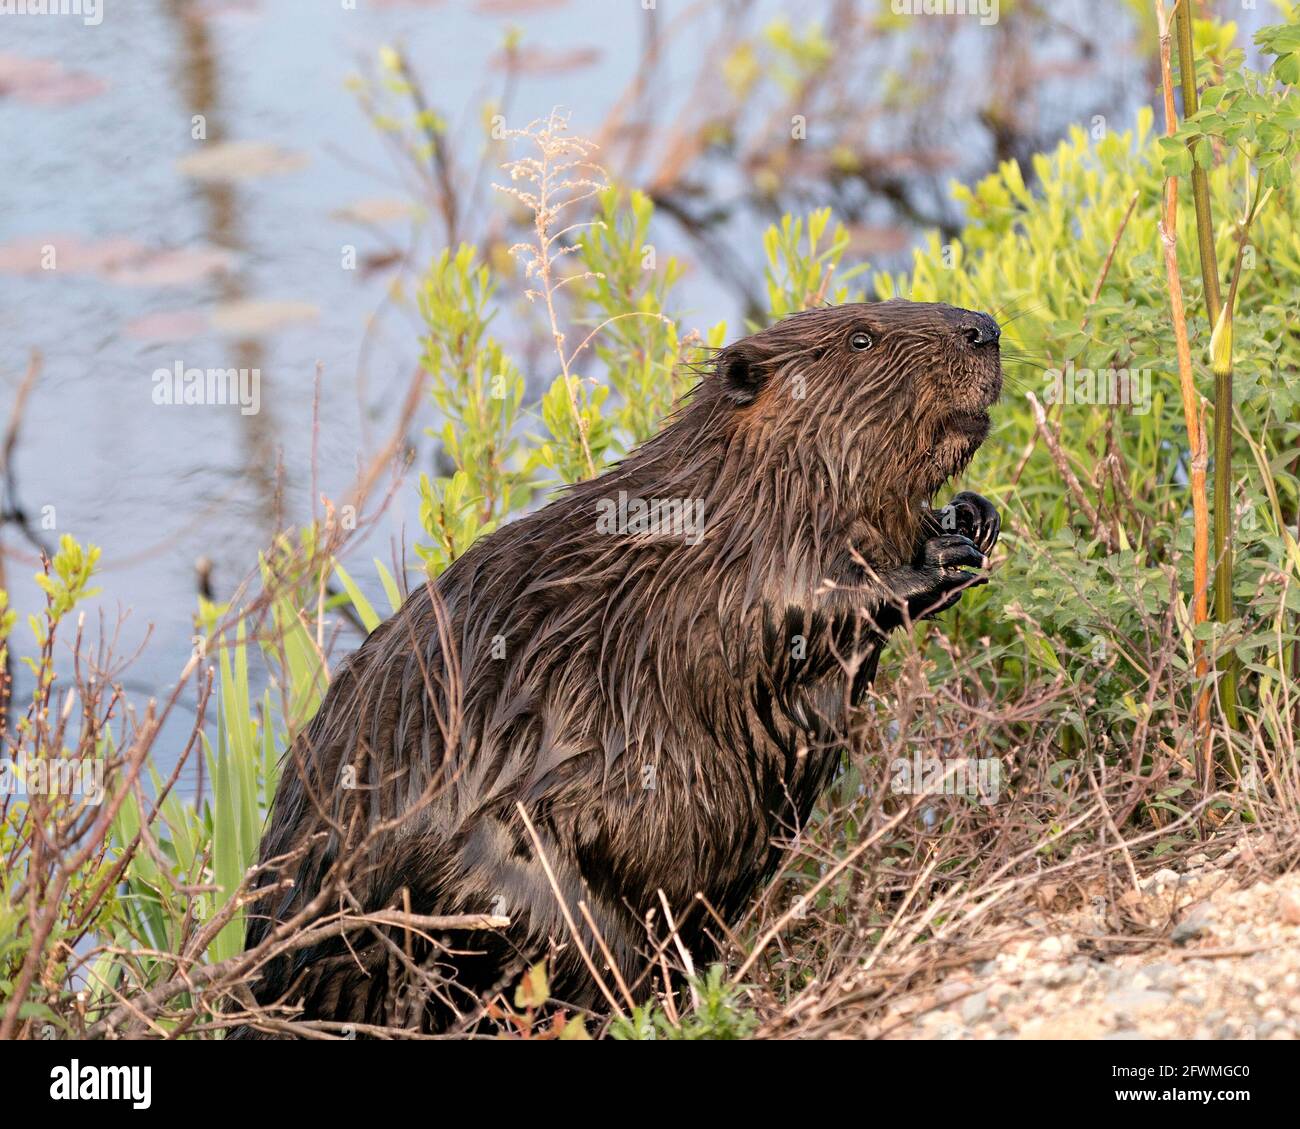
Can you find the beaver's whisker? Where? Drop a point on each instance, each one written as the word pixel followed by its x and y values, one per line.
pixel 1034 309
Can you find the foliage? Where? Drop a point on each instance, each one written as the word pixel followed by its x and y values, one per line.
pixel 1099 567
pixel 479 393
pixel 719 1013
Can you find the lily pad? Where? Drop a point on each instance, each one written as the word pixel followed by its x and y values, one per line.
pixel 45 82
pixel 168 325
pixel 261 317
pixel 240 160
pixel 376 210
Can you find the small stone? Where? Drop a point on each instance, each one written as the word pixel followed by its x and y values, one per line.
pixel 1289 906
pixel 1195 924
pixel 950 990
pixel 939 1019
pixel 999 995
pixel 1163 975
pixel 1131 1000
pixel 1052 948
pixel 1054 975
pixel 1114 977
pixel 974 1008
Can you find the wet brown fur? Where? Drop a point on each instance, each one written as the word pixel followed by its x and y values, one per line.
pixel 651 712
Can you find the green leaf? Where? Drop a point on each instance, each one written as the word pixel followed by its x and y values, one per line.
pixel 533 989
pixel 369 617
pixel 390 585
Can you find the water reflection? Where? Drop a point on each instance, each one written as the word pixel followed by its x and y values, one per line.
pixel 197 77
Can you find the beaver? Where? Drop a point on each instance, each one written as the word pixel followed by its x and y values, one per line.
pixel 664 704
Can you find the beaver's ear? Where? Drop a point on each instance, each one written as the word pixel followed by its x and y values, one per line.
pixel 743 371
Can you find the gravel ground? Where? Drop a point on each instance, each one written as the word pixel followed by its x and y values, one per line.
pixel 1209 953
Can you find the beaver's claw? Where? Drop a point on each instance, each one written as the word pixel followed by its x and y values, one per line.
pixel 973 516
pixel 950 559
pixel 950 551
pixel 939 576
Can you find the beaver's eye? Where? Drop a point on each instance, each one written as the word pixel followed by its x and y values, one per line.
pixel 860 341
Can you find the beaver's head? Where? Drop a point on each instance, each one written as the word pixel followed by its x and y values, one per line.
pixel 872 405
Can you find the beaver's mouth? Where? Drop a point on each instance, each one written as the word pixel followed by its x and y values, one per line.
pixel 974 423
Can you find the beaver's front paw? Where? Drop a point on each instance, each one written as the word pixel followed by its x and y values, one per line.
pixel 942 573
pixel 972 516
pixel 951 552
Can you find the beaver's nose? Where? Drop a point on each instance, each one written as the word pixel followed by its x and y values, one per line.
pixel 979 329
